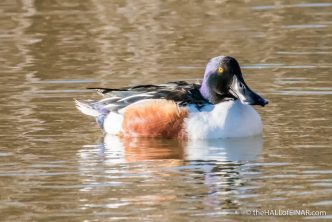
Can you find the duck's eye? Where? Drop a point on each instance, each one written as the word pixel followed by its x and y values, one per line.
pixel 220 70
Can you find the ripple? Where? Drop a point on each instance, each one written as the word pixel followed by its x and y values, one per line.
pixel 301 5
pixel 190 67
pixel 301 92
pixel 63 91
pixel 262 66
pixel 317 172
pixel 6 154
pixel 303 53
pixel 305 26
pixel 64 81
pixel 322 203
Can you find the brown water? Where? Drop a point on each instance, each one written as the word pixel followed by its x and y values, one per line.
pixel 55 164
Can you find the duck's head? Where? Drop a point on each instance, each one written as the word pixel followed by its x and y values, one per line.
pixel 223 80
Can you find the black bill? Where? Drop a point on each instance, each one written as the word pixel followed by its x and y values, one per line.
pixel 240 90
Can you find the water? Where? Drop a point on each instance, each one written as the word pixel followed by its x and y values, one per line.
pixel 56 165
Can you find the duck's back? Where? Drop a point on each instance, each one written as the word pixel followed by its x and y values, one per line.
pixel 180 92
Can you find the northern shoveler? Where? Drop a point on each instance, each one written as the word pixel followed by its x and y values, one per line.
pixel 219 107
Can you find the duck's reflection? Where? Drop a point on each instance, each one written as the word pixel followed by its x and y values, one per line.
pixel 211 174
pixel 140 149
pixel 239 149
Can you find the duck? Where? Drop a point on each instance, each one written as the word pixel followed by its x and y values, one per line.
pixel 221 106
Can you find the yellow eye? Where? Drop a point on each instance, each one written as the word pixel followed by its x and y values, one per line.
pixel 220 70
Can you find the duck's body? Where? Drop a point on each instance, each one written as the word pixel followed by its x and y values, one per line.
pixel 180 109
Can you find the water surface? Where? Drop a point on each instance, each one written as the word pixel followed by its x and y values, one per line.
pixel 56 165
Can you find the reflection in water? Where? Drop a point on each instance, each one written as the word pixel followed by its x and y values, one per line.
pixel 136 149
pixel 140 149
pixel 240 149
pixel 217 168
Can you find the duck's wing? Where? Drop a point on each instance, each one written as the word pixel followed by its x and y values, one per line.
pixel 181 92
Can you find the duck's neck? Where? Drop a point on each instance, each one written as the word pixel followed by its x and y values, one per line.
pixel 204 90
pixel 212 96
pixel 209 94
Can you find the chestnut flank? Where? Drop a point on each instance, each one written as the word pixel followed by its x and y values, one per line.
pixel 155 118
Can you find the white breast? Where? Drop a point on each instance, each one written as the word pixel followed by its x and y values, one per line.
pixel 227 119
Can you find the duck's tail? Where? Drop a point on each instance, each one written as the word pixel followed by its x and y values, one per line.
pixel 93 109
pixel 87 108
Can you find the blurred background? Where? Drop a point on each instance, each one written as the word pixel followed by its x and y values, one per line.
pixel 55 164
